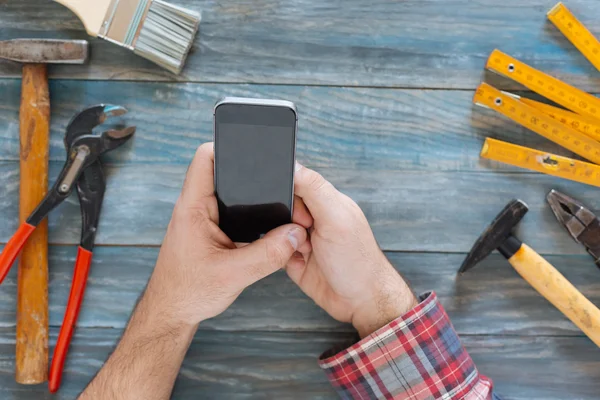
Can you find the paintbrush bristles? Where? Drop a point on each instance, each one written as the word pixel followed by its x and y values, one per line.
pixel 167 35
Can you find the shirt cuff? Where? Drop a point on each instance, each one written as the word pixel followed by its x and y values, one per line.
pixel 417 356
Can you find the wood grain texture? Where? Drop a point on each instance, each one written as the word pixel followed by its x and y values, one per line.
pixel 408 210
pixel 411 43
pixel 261 365
pixel 350 128
pixel 410 158
pixel 551 284
pixel 491 299
pixel 91 16
pixel 32 293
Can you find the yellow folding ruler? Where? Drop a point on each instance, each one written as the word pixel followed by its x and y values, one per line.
pixel 587 126
pixel 540 161
pixel 576 128
pixel 559 92
pixel 512 107
pixel 576 32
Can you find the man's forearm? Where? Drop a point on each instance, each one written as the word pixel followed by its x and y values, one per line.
pixel 147 360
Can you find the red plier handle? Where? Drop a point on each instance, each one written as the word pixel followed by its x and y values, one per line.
pixel 80 275
pixel 13 248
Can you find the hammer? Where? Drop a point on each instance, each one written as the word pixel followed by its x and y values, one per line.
pixel 534 269
pixel 32 288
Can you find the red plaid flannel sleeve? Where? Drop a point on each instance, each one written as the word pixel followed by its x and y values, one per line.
pixel 417 356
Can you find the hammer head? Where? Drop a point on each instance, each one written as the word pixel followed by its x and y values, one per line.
pixel 44 51
pixel 495 234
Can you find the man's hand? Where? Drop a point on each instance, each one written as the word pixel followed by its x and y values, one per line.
pixel 200 271
pixel 345 272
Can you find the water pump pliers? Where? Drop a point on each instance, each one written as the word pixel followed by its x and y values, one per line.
pixel 83 171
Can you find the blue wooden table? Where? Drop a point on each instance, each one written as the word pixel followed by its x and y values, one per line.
pixel 384 94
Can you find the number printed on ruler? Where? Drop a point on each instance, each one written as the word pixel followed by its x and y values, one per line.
pixel 538 122
pixel 566 95
pixel 584 124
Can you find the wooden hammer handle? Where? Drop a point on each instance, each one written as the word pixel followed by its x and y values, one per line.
pixel 558 290
pixel 32 295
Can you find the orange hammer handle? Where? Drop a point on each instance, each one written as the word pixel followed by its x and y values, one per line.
pixel 32 294
pixel 558 290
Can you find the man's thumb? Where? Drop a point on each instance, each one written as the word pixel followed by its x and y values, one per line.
pixel 268 254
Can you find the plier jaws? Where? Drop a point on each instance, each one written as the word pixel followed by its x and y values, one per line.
pixel 84 149
pixel 84 123
pixel 581 223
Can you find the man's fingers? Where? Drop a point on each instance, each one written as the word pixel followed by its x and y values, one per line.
pixel 309 280
pixel 306 247
pixel 295 267
pixel 198 188
pixel 301 214
pixel 267 255
pixel 199 181
pixel 315 191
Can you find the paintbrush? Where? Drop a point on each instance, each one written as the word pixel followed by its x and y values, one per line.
pixel 159 31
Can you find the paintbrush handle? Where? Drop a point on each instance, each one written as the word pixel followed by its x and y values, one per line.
pixel 558 290
pixel 92 13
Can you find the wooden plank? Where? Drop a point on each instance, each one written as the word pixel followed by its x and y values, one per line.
pixel 492 299
pixel 433 130
pixel 283 365
pixel 395 44
pixel 408 210
pixel 537 368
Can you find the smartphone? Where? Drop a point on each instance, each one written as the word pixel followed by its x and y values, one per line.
pixel 255 153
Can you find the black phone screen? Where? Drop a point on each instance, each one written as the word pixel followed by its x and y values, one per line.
pixel 254 167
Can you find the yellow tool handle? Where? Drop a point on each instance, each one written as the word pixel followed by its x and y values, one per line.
pixel 547 163
pixel 535 120
pixel 558 290
pixel 576 32
pixel 586 125
pixel 32 291
pixel 566 95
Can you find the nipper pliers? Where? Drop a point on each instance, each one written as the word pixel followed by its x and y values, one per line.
pixel 581 223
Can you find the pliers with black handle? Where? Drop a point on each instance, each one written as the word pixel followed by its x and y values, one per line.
pixel 83 171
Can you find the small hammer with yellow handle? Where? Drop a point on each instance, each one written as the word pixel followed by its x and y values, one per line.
pixel 534 269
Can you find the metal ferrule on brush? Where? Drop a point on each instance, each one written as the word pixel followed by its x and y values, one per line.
pixel 159 31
